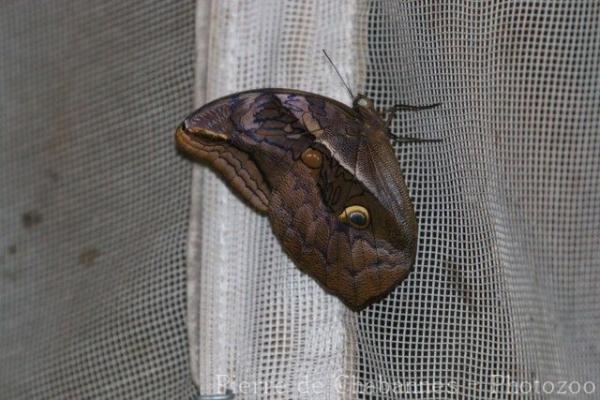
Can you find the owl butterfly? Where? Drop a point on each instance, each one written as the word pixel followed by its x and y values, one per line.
pixel 324 173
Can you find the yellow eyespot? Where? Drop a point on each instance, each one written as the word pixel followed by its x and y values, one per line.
pixel 312 158
pixel 357 216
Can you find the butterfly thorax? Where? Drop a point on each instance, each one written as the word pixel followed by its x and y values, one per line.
pixel 373 124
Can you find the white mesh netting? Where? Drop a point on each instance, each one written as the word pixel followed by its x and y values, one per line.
pixel 94 203
pixel 501 302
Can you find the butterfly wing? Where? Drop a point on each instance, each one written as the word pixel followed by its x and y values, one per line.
pixel 258 141
pixel 363 151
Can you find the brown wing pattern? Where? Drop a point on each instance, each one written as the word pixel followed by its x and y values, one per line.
pixel 306 161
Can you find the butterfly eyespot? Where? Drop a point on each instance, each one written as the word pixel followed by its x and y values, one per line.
pixel 357 216
pixel 312 158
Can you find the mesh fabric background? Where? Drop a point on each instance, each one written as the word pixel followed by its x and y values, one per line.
pixel 503 293
pixel 94 201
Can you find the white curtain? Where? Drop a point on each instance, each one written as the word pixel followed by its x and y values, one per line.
pixel 502 302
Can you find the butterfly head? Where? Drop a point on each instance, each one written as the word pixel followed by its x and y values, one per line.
pixel 374 125
pixel 363 103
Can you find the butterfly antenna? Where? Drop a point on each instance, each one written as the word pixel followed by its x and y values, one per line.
pixel 338 73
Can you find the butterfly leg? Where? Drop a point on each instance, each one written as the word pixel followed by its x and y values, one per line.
pixel 409 139
pixel 405 107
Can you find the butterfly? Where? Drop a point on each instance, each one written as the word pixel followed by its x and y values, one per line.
pixel 324 173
